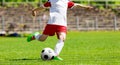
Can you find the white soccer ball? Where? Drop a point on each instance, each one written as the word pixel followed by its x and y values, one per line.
pixel 47 54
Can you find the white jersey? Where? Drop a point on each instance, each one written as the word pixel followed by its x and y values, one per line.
pixel 58 12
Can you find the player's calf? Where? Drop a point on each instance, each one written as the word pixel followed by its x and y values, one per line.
pixel 32 36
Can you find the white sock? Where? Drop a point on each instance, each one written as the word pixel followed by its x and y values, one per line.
pixel 37 36
pixel 58 47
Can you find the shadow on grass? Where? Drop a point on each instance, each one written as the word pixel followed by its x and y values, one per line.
pixel 24 59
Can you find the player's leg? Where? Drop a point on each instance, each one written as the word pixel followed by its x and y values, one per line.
pixel 37 36
pixel 61 34
pixel 41 37
pixel 48 31
pixel 59 45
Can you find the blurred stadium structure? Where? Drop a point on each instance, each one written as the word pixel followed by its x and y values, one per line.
pixel 16 16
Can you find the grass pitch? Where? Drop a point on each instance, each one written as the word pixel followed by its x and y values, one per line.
pixel 81 48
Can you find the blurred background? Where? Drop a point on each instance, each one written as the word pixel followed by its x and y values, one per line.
pixel 15 16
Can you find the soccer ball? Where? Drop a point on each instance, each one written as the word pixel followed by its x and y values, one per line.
pixel 47 54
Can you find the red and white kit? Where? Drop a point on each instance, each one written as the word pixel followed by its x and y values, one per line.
pixel 58 16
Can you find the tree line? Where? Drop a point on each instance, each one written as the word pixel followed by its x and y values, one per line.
pixel 97 3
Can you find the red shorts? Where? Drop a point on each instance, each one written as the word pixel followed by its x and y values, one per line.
pixel 52 29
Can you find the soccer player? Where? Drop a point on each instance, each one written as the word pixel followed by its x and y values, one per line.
pixel 57 23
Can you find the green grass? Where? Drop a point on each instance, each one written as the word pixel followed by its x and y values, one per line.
pixel 81 48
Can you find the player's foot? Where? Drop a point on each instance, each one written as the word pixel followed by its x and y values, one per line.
pixel 31 37
pixel 57 58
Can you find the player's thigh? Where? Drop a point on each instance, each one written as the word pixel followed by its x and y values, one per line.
pixel 43 37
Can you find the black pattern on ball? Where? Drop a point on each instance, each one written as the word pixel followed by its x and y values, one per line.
pixel 43 51
pixel 52 57
pixel 46 57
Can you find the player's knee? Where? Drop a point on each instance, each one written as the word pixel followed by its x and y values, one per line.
pixel 62 36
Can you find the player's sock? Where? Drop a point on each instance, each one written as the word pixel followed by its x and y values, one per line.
pixel 59 47
pixel 37 35
pixel 57 58
pixel 33 36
